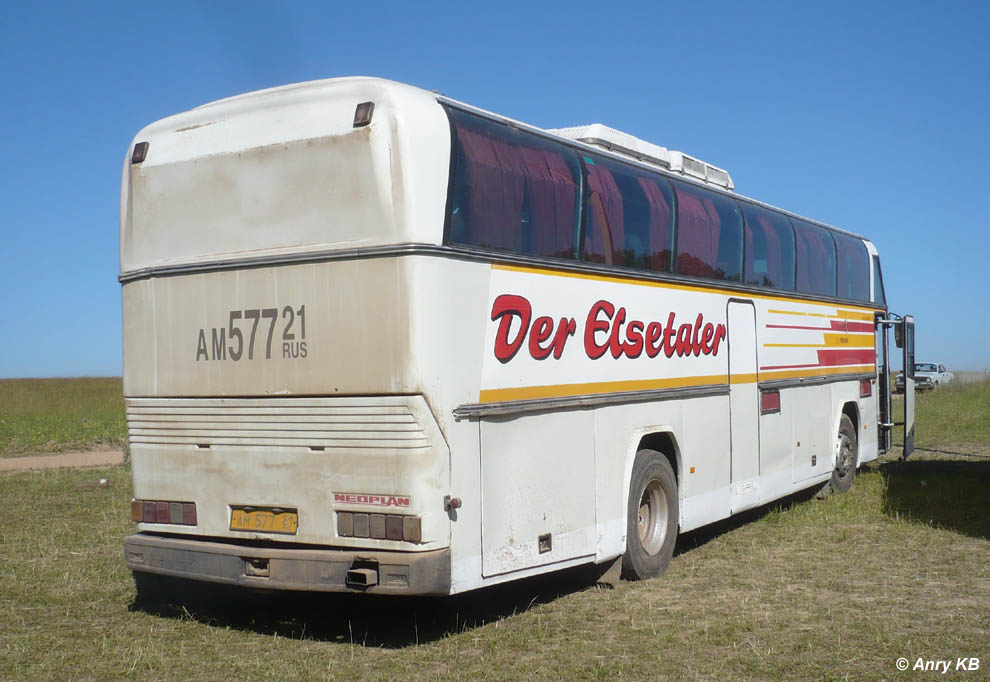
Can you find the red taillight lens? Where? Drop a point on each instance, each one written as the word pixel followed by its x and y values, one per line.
pixel 865 388
pixel 161 511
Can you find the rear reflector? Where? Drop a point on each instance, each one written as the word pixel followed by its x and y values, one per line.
pixel 769 402
pixel 865 388
pixel 163 511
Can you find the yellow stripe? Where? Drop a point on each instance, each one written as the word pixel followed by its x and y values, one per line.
pixel 632 279
pixel 813 372
pixel 831 341
pixel 848 341
pixel 841 314
pixel 496 395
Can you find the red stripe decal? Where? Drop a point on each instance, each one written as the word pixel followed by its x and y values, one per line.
pixel 846 356
pixel 847 326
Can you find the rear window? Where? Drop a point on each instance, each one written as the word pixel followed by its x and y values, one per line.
pixel 709 234
pixel 629 216
pixel 815 255
pixel 769 249
pixel 512 190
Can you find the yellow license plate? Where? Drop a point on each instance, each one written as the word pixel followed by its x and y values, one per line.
pixel 264 520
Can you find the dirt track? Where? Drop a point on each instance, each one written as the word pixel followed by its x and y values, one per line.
pixel 89 458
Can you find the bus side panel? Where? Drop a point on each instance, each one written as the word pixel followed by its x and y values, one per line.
pixel 537 478
pixel 813 435
pixel 869 446
pixel 777 449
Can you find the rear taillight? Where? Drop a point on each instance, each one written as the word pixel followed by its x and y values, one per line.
pixel 163 511
pixel 380 526
pixel 865 388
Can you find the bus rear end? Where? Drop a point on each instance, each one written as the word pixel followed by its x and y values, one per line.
pixel 279 435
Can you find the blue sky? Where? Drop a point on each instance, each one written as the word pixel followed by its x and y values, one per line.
pixel 866 115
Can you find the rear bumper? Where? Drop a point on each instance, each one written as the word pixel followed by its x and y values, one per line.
pixel 273 568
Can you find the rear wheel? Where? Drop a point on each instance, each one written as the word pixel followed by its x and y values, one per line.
pixel 847 456
pixel 651 517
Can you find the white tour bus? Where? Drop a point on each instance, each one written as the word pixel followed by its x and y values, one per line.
pixel 379 340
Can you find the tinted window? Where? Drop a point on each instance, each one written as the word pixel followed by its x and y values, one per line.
pixel 628 216
pixel 512 190
pixel 815 254
pixel 878 295
pixel 769 249
pixel 709 234
pixel 852 267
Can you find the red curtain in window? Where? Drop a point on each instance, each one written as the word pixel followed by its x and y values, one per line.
pixel 552 196
pixel 496 212
pixel 605 234
pixel 659 246
pixel 697 234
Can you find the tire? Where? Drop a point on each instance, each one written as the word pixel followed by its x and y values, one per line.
pixel 847 457
pixel 651 517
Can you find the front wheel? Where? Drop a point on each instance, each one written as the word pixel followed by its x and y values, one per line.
pixel 847 456
pixel 651 517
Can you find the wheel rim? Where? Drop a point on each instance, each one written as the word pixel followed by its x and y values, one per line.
pixel 846 455
pixel 652 520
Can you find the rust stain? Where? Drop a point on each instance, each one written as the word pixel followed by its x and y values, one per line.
pixel 198 125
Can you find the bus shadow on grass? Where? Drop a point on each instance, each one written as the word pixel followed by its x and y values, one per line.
pixel 948 494
pixel 364 620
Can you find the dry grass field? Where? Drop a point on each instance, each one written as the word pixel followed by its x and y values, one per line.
pixel 49 415
pixel 810 589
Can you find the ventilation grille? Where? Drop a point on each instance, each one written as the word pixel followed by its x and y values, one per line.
pixel 315 423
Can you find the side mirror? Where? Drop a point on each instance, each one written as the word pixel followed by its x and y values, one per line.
pixel 899 335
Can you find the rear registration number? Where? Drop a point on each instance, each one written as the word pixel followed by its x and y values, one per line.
pixel 264 520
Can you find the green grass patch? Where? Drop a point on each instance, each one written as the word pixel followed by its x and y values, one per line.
pixel 958 412
pixel 60 414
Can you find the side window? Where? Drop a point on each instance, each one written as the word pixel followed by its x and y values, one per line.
pixel 628 216
pixel 512 190
pixel 769 240
pixel 815 256
pixel 853 267
pixel 709 234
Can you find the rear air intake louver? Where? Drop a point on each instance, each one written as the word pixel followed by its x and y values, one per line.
pixel 315 423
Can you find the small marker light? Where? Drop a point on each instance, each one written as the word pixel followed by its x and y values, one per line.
pixel 137 510
pixel 363 113
pixel 140 152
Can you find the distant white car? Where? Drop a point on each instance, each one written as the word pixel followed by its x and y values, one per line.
pixel 927 376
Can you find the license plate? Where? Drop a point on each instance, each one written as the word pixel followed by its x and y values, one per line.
pixel 264 520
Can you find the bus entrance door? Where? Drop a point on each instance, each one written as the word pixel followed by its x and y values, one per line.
pixel 744 408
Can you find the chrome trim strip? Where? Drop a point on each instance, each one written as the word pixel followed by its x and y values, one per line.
pixel 282 259
pixel 479 256
pixel 578 401
pixel 778 384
